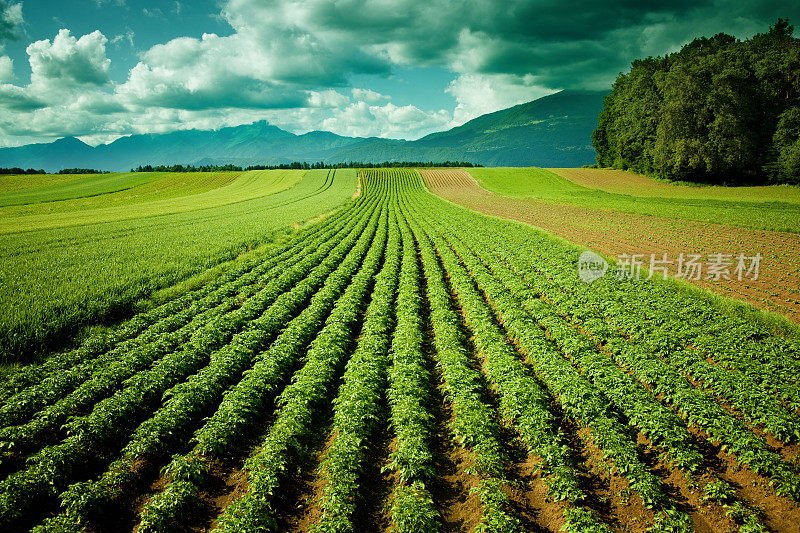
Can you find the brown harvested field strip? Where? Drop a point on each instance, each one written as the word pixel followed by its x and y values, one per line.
pixel 613 233
pixel 623 182
pixel 615 181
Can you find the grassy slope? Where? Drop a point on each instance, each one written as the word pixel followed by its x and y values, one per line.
pixel 86 185
pixel 172 193
pixel 746 207
pixel 53 282
pixel 21 182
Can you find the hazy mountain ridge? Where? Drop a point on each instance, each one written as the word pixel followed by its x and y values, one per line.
pixel 551 131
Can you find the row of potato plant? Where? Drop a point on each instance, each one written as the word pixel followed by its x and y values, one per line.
pixel 412 460
pixel 621 348
pixel 301 404
pixel 358 407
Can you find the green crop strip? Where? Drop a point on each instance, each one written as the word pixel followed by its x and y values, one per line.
pixel 413 508
pixel 311 385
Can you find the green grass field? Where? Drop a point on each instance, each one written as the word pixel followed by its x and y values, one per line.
pixel 62 271
pixel 22 182
pixel 85 185
pixel 771 208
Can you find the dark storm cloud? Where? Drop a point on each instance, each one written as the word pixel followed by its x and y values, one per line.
pixel 588 43
pixel 548 39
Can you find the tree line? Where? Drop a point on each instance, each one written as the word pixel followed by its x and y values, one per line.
pixel 31 171
pixel 301 166
pixel 83 171
pixel 20 171
pixel 720 110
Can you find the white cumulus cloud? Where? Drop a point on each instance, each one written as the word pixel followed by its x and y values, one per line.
pixel 69 89
pixel 363 120
pixel 328 98
pixel 478 94
pixel 6 69
pixel 369 96
pixel 211 72
pixel 10 20
pixel 67 61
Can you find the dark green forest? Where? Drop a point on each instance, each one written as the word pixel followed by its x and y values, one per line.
pixel 720 110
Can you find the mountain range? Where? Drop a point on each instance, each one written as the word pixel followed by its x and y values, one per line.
pixel 553 131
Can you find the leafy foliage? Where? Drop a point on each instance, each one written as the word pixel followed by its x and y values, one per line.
pixel 719 110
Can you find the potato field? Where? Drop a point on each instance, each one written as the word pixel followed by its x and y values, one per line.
pixel 405 364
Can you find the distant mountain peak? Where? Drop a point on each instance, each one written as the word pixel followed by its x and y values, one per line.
pixel 69 141
pixel 263 127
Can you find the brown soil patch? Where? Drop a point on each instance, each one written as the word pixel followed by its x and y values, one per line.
pixel 780 513
pixel 452 490
pixel 374 510
pixel 300 508
pixel 530 500
pixel 226 485
pixel 613 233
pixel 615 501
pixel 706 516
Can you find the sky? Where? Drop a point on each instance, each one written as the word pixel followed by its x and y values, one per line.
pixel 101 69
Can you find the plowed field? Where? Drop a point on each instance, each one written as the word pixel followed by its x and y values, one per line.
pixel 612 233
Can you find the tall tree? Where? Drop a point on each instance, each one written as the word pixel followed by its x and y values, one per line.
pixel 707 113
